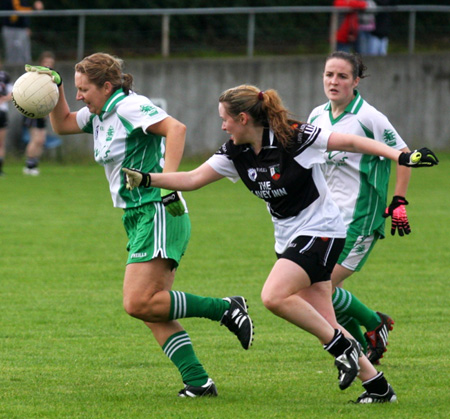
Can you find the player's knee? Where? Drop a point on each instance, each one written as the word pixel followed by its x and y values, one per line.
pixel 270 300
pixel 138 307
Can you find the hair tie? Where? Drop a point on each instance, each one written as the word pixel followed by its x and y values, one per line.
pixel 261 95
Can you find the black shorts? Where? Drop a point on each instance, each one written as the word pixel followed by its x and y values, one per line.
pixel 316 255
pixel 35 123
pixel 3 119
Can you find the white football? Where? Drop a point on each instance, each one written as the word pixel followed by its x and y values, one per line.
pixel 35 94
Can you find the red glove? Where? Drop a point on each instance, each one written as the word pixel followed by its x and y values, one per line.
pixel 397 211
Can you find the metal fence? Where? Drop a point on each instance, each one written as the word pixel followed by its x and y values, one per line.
pixel 250 12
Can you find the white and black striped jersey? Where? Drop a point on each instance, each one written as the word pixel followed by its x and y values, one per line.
pixel 290 181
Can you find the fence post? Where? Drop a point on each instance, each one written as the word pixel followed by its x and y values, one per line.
pixel 411 32
pixel 333 29
pixel 165 42
pixel 251 35
pixel 81 36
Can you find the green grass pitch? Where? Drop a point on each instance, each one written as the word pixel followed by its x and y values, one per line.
pixel 68 349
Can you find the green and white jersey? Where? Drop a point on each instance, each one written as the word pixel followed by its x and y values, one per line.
pixel 358 182
pixel 121 140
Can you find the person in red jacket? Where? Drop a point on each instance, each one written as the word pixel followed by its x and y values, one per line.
pixel 347 32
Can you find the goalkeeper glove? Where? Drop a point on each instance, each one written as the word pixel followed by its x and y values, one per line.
pixel 397 211
pixel 423 157
pixel 173 202
pixel 56 77
pixel 134 178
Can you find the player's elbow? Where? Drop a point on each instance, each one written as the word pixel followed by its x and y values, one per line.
pixel 178 129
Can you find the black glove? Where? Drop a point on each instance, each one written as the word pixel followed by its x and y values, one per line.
pixel 172 202
pixel 135 178
pixel 423 157
pixel 397 211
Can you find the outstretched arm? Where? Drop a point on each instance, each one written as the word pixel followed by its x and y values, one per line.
pixel 178 181
pixel 356 144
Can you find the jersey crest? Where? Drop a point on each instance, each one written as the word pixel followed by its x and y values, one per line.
pixel 252 174
pixel 149 110
pixel 389 137
pixel 275 172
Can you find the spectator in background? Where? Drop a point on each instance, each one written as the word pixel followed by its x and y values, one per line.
pixel 366 25
pixel 348 25
pixel 382 28
pixel 5 97
pixel 37 128
pixel 16 31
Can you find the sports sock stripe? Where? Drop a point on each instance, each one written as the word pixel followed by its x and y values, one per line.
pixel 336 337
pixel 342 319
pixel 379 375
pixel 179 304
pixel 176 343
pixel 341 300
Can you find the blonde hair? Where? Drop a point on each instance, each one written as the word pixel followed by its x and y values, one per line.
pixel 265 107
pixel 101 67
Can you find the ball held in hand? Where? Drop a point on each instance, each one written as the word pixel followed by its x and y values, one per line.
pixel 35 94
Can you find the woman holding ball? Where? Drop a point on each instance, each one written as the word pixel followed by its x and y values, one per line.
pixel 128 130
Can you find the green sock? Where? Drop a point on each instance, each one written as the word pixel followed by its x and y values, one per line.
pixel 180 351
pixel 353 327
pixel 344 302
pixel 183 305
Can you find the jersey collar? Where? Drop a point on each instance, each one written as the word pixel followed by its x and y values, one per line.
pixel 268 139
pixel 111 103
pixel 353 107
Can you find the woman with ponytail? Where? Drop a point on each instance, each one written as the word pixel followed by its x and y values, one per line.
pixel 279 160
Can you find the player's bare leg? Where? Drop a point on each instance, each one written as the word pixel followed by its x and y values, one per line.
pixel 148 296
pixel 34 150
pixel 145 289
pixel 289 294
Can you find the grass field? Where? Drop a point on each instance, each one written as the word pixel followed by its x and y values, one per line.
pixel 68 350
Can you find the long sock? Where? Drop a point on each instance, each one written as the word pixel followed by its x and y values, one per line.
pixel 32 162
pixel 344 302
pixel 183 305
pixel 1 164
pixel 338 344
pixel 377 384
pixel 353 327
pixel 180 351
